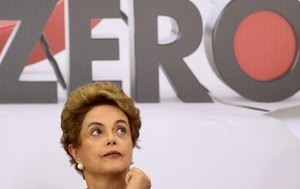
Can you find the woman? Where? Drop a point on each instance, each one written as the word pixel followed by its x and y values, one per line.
pixel 100 125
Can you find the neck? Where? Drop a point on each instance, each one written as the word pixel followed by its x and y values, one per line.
pixel 105 181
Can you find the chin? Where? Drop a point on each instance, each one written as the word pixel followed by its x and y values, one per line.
pixel 117 168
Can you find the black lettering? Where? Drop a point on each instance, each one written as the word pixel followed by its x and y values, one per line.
pixel 29 32
pixel 149 54
pixel 83 48
pixel 220 50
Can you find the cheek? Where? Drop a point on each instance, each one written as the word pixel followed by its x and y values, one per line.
pixel 130 154
pixel 127 143
pixel 89 149
pixel 128 146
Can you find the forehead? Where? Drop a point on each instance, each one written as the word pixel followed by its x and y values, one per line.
pixel 105 113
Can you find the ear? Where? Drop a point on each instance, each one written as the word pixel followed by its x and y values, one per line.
pixel 74 153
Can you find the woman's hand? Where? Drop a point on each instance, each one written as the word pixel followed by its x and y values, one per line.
pixel 137 179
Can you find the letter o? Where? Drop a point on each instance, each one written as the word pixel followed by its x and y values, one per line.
pixel 219 41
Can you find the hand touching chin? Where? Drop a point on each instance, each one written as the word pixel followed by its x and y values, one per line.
pixel 137 179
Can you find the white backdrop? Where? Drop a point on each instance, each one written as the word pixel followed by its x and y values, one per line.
pixel 184 145
pixel 193 146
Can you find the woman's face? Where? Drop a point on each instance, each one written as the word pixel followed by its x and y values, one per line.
pixel 106 145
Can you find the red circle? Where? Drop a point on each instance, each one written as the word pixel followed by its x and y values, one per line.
pixel 265 45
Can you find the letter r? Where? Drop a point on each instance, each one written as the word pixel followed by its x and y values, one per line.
pixel 148 54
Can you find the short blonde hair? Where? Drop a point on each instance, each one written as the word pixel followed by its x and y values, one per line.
pixel 83 99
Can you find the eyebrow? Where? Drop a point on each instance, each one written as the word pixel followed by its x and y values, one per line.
pixel 102 125
pixel 96 123
pixel 122 121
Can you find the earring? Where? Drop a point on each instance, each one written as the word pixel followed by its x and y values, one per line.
pixel 80 166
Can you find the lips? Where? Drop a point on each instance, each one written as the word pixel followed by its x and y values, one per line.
pixel 112 154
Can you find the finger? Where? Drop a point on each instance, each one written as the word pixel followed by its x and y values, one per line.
pixel 137 170
pixel 133 172
pixel 128 177
pixel 136 174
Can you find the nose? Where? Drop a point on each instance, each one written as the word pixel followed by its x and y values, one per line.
pixel 111 140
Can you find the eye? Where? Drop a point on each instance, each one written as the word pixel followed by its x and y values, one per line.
pixel 96 132
pixel 121 130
